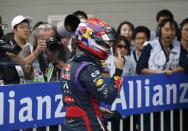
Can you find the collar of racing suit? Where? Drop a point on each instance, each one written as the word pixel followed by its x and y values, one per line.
pixel 94 60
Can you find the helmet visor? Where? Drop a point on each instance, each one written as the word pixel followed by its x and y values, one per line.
pixel 105 38
pixel 107 35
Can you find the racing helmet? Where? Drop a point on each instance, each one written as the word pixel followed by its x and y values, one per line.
pixel 95 37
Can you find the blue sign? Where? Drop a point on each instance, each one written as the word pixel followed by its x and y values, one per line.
pixel 40 104
pixel 32 105
pixel 151 93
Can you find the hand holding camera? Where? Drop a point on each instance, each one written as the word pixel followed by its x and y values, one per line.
pixel 40 47
pixel 51 44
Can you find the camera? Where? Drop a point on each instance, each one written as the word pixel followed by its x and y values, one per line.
pixel 52 44
pixel 15 49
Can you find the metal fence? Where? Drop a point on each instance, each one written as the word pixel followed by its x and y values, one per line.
pixel 177 122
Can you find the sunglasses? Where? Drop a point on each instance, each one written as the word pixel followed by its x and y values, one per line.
pixel 122 46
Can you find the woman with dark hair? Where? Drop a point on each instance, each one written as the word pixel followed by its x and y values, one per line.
pixel 126 29
pixel 122 45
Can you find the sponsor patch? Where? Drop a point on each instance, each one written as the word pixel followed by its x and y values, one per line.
pixel 65 76
pixel 118 82
pixel 67 67
pixel 66 72
pixel 99 82
pixel 94 74
pixel 68 99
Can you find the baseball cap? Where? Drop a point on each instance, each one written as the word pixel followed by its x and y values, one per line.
pixel 18 19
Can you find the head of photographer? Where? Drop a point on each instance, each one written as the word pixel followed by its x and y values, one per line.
pixel 46 43
pixel 11 45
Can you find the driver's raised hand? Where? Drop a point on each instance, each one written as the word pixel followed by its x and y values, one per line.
pixel 119 60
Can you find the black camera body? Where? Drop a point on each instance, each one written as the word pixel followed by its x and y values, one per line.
pixel 52 44
pixel 15 49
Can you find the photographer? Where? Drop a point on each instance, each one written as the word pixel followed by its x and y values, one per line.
pixel 47 53
pixel 13 70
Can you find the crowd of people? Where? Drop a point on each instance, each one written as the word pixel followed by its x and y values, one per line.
pixel 38 54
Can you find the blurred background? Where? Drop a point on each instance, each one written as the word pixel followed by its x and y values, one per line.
pixel 139 12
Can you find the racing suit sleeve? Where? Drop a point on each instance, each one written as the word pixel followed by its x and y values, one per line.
pixel 92 80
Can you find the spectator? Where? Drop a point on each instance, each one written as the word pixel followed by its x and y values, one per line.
pixel 47 57
pixel 126 29
pixel 122 46
pixel 38 23
pixel 141 34
pixel 162 56
pixel 19 70
pixel 46 54
pixel 184 43
pixel 161 15
pixel 184 34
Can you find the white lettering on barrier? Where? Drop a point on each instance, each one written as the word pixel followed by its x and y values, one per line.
pixel 58 112
pixel 139 94
pixel 120 100
pixel 2 108
pixel 131 94
pixel 171 88
pixel 11 107
pixel 157 97
pixel 147 91
pixel 41 101
pixel 185 88
pixel 27 110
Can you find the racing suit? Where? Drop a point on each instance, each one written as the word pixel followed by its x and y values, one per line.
pixel 83 88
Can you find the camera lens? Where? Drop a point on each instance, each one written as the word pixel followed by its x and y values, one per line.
pixel 52 44
pixel 15 49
